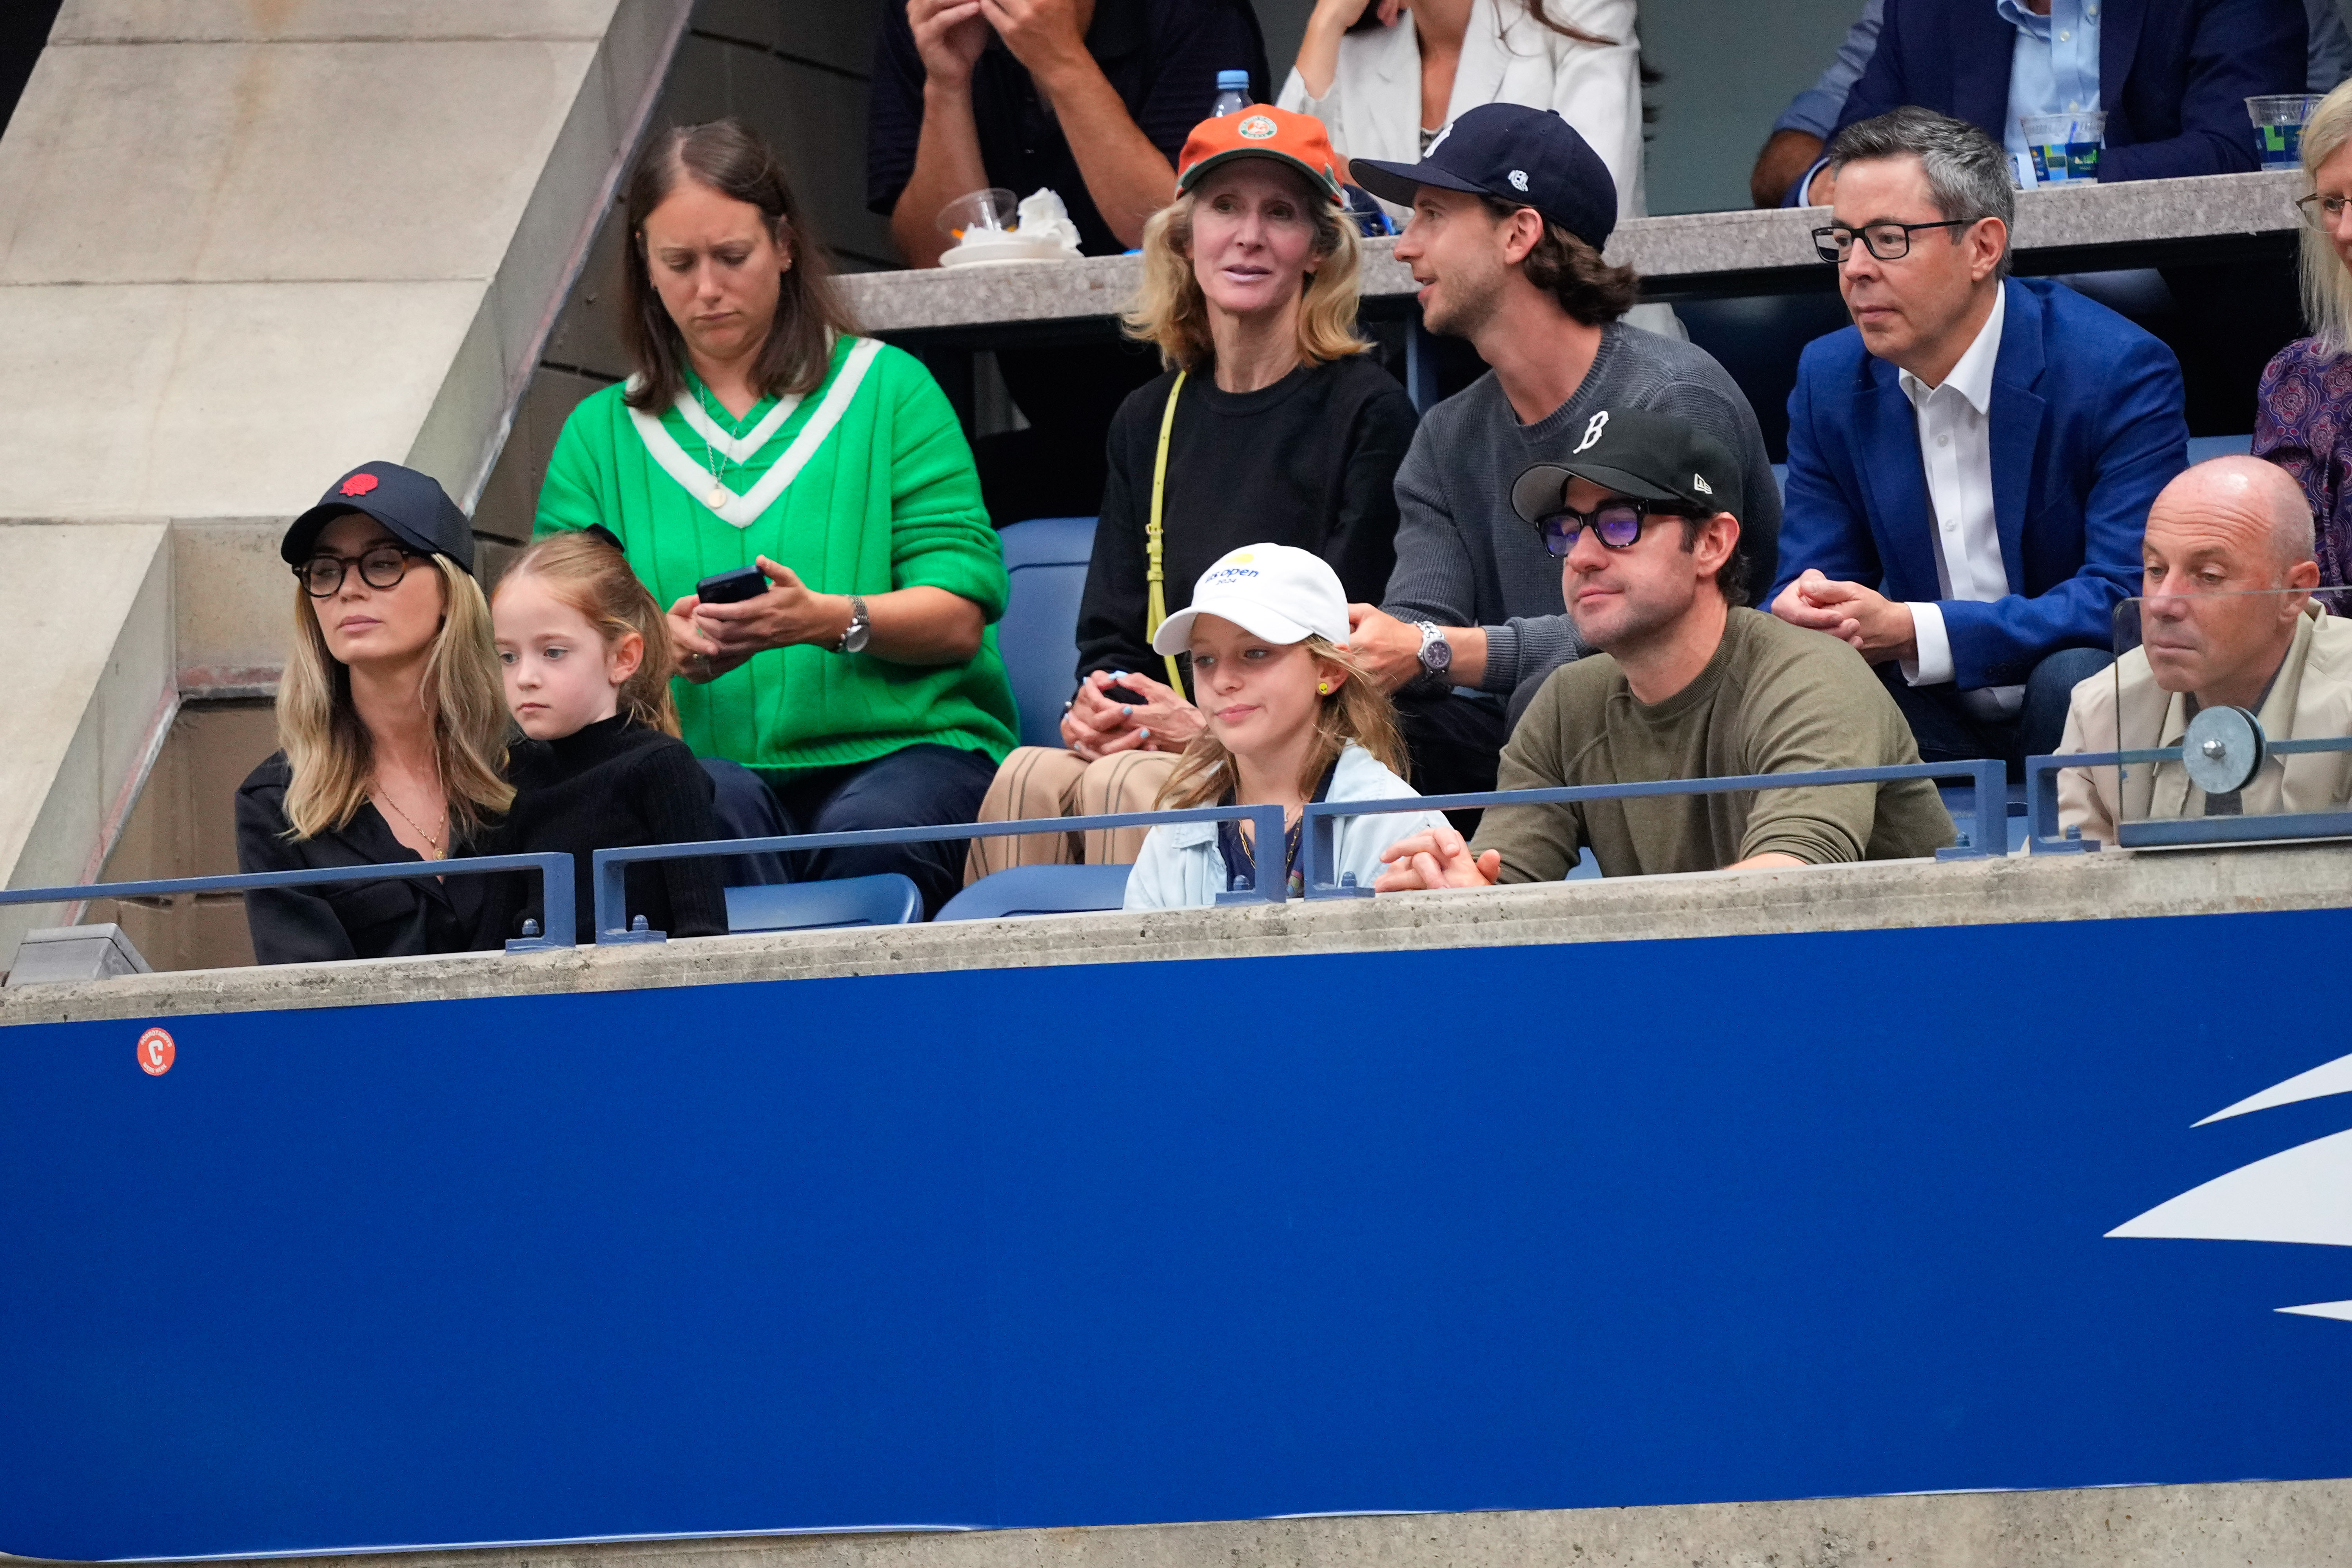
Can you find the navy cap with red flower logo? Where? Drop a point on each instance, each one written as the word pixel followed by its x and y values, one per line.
pixel 413 506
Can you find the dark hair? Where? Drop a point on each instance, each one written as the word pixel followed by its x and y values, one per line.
pixel 726 157
pixel 1731 577
pixel 1571 271
pixel 1969 177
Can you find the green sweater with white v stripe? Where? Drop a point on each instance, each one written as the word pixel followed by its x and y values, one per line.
pixel 863 486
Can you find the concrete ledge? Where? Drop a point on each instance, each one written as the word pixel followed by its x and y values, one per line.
pixel 2306 1524
pixel 1871 896
pixel 1688 246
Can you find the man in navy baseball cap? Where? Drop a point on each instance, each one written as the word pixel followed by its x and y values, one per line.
pixel 1527 157
pixel 413 506
pixel 1511 210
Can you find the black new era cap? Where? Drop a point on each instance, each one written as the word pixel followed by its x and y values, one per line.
pixel 1633 452
pixel 413 506
pixel 1509 151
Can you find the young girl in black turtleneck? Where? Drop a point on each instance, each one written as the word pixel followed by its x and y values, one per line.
pixel 587 662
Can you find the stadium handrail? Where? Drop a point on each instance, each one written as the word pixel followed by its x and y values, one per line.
pixel 609 865
pixel 2042 836
pixel 1988 832
pixel 555 871
pixel 1989 805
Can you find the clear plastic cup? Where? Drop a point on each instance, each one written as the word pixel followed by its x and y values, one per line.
pixel 978 213
pixel 2278 126
pixel 2065 147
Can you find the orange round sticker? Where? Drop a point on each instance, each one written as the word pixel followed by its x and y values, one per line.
pixel 156 1051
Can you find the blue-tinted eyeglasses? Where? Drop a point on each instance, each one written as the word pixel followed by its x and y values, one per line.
pixel 1617 522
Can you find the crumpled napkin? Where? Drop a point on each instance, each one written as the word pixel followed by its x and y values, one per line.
pixel 1043 219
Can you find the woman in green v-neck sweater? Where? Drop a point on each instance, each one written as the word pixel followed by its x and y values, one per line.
pixel 863 688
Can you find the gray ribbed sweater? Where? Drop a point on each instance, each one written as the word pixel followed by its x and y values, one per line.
pixel 1465 559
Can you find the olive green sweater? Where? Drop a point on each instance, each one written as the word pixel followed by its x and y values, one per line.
pixel 1774 700
pixel 863 486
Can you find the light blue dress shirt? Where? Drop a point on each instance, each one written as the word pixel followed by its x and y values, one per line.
pixel 2053 68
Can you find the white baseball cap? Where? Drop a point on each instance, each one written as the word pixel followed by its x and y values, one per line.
pixel 1276 592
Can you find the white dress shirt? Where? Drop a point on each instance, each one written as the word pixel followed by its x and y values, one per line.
pixel 1955 448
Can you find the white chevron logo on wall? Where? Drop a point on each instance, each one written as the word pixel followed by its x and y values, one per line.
pixel 2302 1195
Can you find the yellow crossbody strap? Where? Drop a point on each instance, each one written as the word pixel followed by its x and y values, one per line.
pixel 1158 610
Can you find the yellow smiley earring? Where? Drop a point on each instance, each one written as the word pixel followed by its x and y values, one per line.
pixel 1323 688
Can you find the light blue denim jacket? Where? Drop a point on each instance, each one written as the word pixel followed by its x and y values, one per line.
pixel 1181 868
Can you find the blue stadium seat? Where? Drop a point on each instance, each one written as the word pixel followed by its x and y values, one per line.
pixel 889 899
pixel 1039 890
pixel 1039 637
pixel 2203 446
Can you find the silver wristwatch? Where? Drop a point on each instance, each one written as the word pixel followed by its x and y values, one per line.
pixel 853 636
pixel 1436 653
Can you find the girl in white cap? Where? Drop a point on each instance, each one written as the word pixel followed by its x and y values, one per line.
pixel 1291 717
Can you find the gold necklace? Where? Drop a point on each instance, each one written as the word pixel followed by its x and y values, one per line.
pixel 432 840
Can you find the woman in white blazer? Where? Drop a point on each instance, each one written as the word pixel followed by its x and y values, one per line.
pixel 1386 90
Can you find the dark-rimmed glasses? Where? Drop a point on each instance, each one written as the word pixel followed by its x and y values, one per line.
pixel 1617 522
pixel 2322 213
pixel 1886 241
pixel 380 566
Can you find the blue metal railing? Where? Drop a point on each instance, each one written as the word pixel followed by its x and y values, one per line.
pixel 2043 836
pixel 555 872
pixel 1990 807
pixel 609 872
pixel 1987 835
pixel 1987 831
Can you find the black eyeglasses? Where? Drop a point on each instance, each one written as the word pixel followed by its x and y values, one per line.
pixel 1617 522
pixel 380 566
pixel 1886 241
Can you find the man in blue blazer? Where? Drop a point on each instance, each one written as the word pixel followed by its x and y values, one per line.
pixel 2173 76
pixel 1970 464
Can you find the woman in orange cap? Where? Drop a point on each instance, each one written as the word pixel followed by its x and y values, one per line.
pixel 1271 426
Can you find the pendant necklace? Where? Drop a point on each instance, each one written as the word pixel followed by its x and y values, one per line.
pixel 719 495
pixel 433 839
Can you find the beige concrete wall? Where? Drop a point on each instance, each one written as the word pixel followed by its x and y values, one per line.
pixel 244 247
pixel 2116 884
pixel 2264 1524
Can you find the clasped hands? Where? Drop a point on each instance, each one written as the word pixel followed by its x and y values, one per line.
pixel 1880 627
pixel 712 639
pixel 1099 723
pixel 950 34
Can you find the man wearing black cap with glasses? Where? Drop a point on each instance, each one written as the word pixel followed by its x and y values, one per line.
pixel 1511 210
pixel 1644 522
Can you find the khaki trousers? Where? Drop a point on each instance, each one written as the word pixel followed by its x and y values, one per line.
pixel 1046 781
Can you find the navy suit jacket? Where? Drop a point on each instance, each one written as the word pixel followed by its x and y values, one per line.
pixel 2087 426
pixel 2174 75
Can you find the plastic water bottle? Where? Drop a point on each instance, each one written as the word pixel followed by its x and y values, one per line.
pixel 1233 94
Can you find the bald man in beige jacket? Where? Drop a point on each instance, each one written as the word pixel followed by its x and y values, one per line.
pixel 2226 619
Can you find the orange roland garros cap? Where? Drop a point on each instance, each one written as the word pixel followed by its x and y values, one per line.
pixel 1261 130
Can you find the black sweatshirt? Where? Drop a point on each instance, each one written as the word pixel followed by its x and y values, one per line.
pixel 346 919
pixel 1310 461
pixel 610 785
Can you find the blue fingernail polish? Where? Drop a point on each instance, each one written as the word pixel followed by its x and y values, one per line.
pixel 1125 712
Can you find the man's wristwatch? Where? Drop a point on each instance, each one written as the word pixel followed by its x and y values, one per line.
pixel 1436 653
pixel 853 636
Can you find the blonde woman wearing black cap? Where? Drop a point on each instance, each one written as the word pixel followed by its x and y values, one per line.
pixel 392 727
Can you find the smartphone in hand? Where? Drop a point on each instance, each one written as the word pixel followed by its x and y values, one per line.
pixel 732 587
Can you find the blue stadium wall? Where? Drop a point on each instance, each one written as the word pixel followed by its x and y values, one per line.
pixel 1641 1222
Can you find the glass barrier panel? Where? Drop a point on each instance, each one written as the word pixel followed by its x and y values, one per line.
pixel 2221 678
